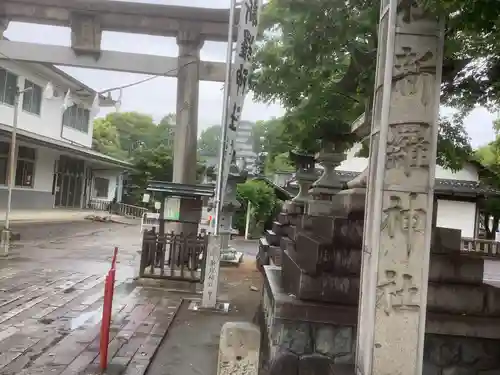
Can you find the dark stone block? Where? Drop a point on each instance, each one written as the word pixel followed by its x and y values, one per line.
pixel 289 308
pixel 315 364
pixel 297 337
pixel 292 232
pixel 278 228
pixel 263 243
pixel 456 269
pixel 325 287
pixel 446 241
pixel 316 255
pixel 348 233
pixel 284 363
pixel 306 222
pixel 275 254
pixel 343 369
pixel 284 218
pixel 272 238
pixel 295 219
pixel 261 260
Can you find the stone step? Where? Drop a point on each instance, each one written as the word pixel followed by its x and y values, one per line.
pixel 272 238
pixel 279 228
pixel 283 218
pixel 275 254
pixel 263 243
pixel 476 300
pixel 262 257
pixel 317 255
pixel 326 287
pixel 291 232
pixel 456 269
pixel 349 231
pixel 446 241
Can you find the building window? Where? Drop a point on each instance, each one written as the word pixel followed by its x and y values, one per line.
pixel 8 87
pixel 25 170
pixel 4 162
pixel 77 118
pixel 32 99
pixel 101 186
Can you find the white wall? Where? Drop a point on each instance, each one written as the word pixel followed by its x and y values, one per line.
pixel 457 215
pixel 112 176
pixel 44 168
pixel 49 122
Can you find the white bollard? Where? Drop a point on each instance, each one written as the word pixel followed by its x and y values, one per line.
pixel 239 349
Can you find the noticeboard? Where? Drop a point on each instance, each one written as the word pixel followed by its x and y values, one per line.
pixel 172 208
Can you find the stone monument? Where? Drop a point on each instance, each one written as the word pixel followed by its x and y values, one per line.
pixel 417 286
pixel 397 232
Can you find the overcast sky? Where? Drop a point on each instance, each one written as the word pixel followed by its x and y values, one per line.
pixel 158 97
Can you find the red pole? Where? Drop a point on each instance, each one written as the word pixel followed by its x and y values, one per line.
pixel 107 308
pixel 105 325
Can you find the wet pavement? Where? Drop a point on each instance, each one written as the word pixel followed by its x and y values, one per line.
pixel 51 303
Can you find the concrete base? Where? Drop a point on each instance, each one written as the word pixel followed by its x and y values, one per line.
pixel 299 334
pixel 220 307
pixel 304 334
pixel 233 259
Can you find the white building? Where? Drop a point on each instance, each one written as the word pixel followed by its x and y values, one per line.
pixel 459 194
pixel 55 165
pixel 243 145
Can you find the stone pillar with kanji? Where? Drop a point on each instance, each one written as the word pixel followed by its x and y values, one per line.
pixel 399 202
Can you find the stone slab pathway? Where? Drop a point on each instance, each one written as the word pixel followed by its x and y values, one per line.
pixel 51 307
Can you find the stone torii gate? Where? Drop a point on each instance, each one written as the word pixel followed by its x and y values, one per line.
pixel 89 18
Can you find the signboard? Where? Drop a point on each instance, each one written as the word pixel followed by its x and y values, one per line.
pixel 240 73
pixel 172 208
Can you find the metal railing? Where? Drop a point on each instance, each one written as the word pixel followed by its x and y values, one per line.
pixel 480 246
pixel 129 210
pixel 121 209
pixel 99 205
pixel 173 256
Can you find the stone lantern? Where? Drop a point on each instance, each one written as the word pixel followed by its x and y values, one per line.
pixel 305 174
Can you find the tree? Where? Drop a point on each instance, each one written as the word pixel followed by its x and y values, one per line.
pixel 280 163
pixel 270 136
pixel 133 129
pixel 106 140
pixel 150 164
pixel 264 204
pixel 209 141
pixel 318 59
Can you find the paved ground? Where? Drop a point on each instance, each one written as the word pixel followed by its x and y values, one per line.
pixel 192 343
pixel 51 297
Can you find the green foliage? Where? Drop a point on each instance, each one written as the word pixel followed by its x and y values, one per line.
pixel 453 143
pixel 135 137
pixel 318 59
pixel 263 199
pixel 209 141
pixel 151 164
pixel 280 163
pixel 270 136
pixel 106 139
